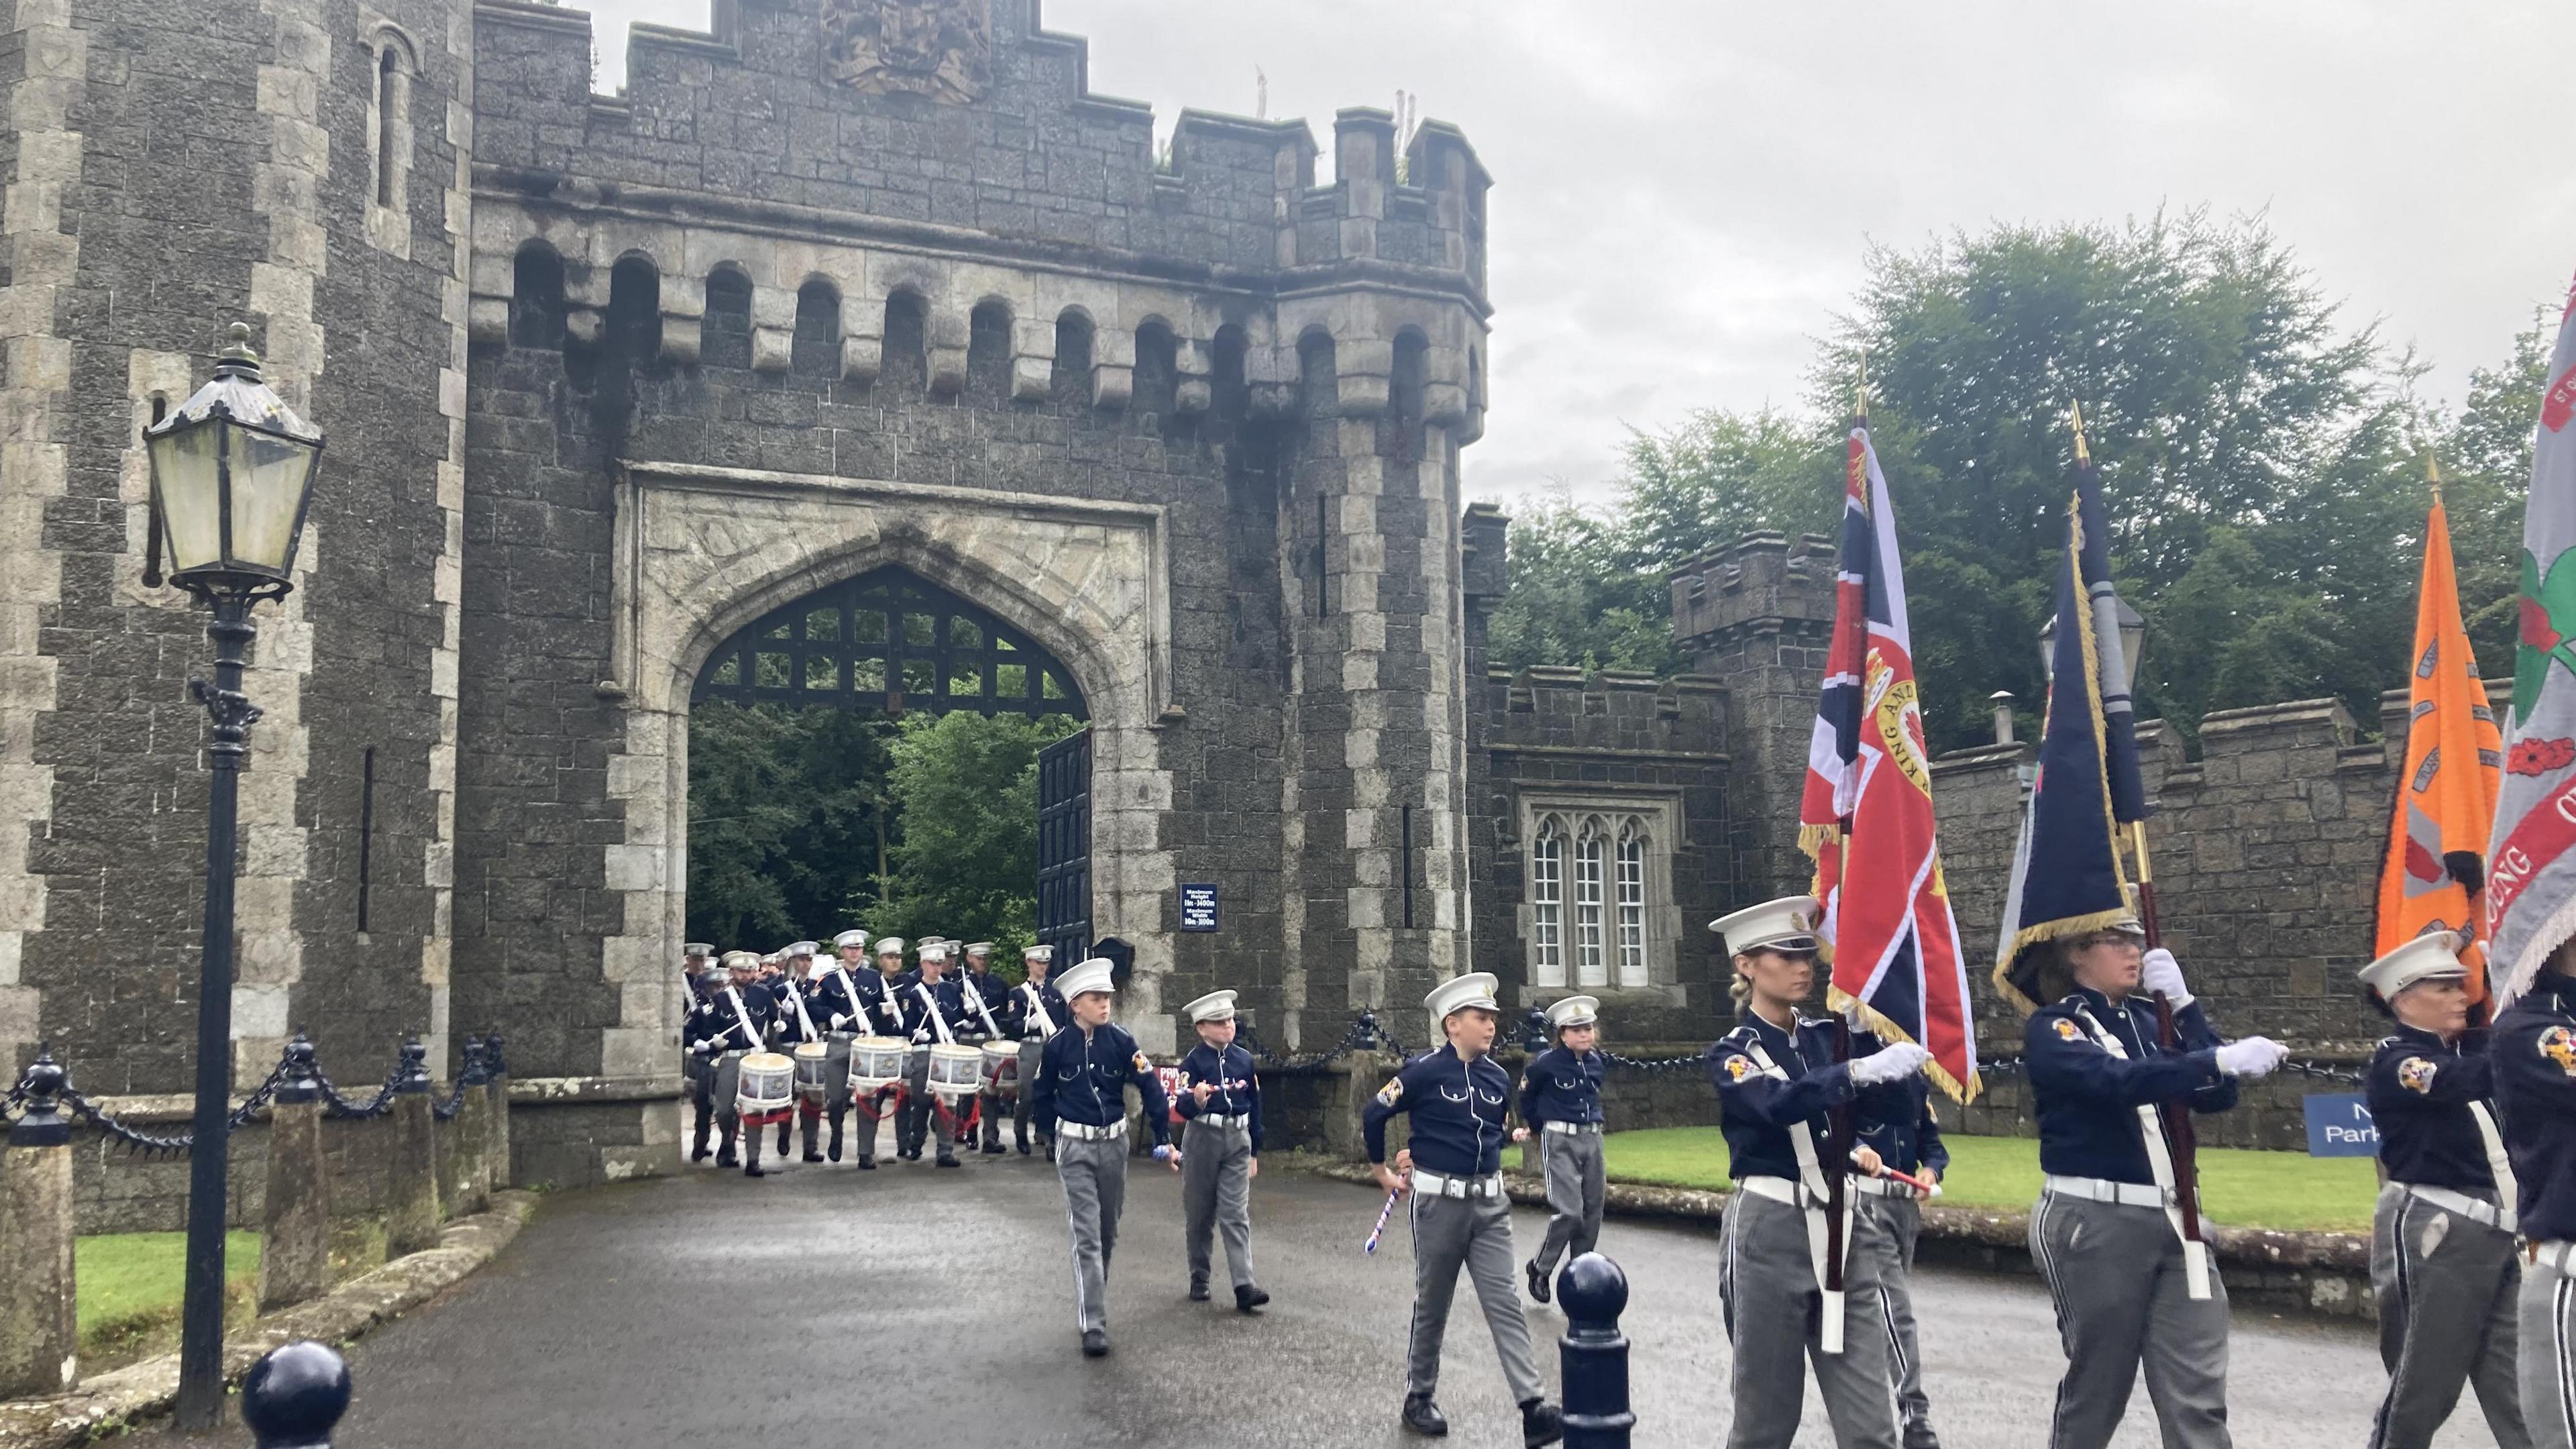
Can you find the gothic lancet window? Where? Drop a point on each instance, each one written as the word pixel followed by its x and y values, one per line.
pixel 1600 912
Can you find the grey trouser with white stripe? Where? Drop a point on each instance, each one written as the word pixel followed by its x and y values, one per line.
pixel 1767 1285
pixel 1094 1174
pixel 1031 1052
pixel 1216 1190
pixel 1898 1220
pixel 2446 1307
pixel 1576 1183
pixel 2548 1341
pixel 2116 1274
pixel 1474 1233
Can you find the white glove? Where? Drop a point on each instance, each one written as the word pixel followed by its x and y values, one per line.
pixel 838 1019
pixel 700 1044
pixel 2255 1056
pixel 2160 972
pixel 1889 1064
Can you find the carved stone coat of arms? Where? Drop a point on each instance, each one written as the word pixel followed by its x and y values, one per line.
pixel 942 49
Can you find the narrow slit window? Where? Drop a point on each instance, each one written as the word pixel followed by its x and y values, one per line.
pixel 366 831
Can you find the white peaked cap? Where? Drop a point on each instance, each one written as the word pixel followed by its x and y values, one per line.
pixel 697 948
pixel 984 948
pixel 1215 1006
pixel 942 950
pixel 1082 976
pixel 741 961
pixel 804 948
pixel 1037 953
pixel 849 938
pixel 1476 988
pixel 2435 955
pixel 1787 924
pixel 890 943
pixel 1574 1011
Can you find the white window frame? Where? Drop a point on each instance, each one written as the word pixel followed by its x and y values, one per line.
pixel 1547 907
pixel 1635 929
pixel 1629 904
pixel 1591 960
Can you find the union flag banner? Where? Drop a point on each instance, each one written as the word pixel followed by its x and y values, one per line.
pixel 2437 832
pixel 2531 854
pixel 1866 812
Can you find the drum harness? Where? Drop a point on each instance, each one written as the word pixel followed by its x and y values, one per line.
pixel 938 1022
pixel 1037 1008
pixel 966 983
pixel 797 996
pixel 1810 1199
pixel 734 995
pixel 849 988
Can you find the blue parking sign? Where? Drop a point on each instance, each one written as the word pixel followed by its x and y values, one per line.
pixel 2339 1125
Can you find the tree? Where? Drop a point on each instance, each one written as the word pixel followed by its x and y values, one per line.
pixel 967 789
pixel 1577 595
pixel 785 813
pixel 2486 454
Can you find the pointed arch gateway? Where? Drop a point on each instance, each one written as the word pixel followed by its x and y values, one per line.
pixel 893 641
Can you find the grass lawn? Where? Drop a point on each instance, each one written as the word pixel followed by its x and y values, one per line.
pixel 2238 1187
pixel 130 1283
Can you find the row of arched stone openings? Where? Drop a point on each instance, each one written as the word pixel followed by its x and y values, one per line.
pixel 538 315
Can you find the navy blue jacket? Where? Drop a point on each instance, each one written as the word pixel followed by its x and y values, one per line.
pixel 2534 1054
pixel 714 1029
pixel 828 1000
pixel 2087 1099
pixel 1756 1110
pixel 1460 1112
pixel 987 987
pixel 1012 1011
pixel 1082 1077
pixel 2419 1092
pixel 1558 1086
pixel 1896 1122
pixel 791 1026
pixel 952 1008
pixel 1238 1086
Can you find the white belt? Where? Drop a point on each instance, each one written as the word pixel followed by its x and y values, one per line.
pixel 1085 1132
pixel 1886 1187
pixel 2449 1200
pixel 1239 1119
pixel 1778 1189
pixel 2560 1256
pixel 1575 1129
pixel 1432 1184
pixel 2096 1189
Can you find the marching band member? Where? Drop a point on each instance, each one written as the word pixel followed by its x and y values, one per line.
pixel 983 994
pixel 1079 1099
pixel 698 976
pixel 1220 1107
pixel 1035 1011
pixel 800 1022
pixel 2107 1233
pixel 934 1009
pixel 844 1002
pixel 1777 1081
pixel 886 1020
pixel 2441 1240
pixel 2534 1054
pixel 1896 1121
pixel 1561 1102
pixel 735 1022
pixel 1458 1099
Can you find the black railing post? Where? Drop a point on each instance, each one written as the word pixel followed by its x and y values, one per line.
pixel 1593 1355
pixel 201 1314
pixel 292 1397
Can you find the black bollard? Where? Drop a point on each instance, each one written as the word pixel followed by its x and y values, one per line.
pixel 292 1397
pixel 1593 1355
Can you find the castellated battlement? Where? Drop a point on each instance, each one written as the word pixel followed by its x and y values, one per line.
pixel 863 187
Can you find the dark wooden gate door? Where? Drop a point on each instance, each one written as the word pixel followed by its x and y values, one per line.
pixel 1064 847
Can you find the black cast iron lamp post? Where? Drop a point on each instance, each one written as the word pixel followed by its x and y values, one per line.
pixel 232 472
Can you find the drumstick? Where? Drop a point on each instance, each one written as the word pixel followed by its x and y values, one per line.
pixel 1383 1214
pixel 1921 1185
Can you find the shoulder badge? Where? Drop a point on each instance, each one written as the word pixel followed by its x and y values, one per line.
pixel 1738 1068
pixel 1391 1093
pixel 2067 1030
pixel 1142 1064
pixel 2559 1045
pixel 2415 1074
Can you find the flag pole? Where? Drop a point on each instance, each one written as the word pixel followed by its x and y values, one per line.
pixel 1838 1120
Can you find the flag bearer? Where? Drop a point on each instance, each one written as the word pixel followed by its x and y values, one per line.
pixel 1081 1101
pixel 2534 1053
pixel 1561 1102
pixel 735 1022
pixel 1898 1124
pixel 1777 1082
pixel 1220 1105
pixel 1458 1100
pixel 2107 1233
pixel 2441 1240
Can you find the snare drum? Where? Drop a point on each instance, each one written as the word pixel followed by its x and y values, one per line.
pixel 954 1070
pixel 876 1063
pixel 813 1081
pixel 1001 1070
pixel 766 1092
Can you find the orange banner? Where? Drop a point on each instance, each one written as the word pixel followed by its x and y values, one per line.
pixel 2446 796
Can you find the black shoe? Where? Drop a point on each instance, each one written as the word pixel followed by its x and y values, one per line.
pixel 948 1159
pixel 813 1157
pixel 1541 1423
pixel 1248 1298
pixel 833 1152
pixel 726 1158
pixel 1095 1343
pixel 1424 1417
pixel 698 1153
pixel 1537 1276
pixel 867 1162
pixel 755 1170
pixel 994 1149
pixel 1919 1435
pixel 1024 1147
pixel 1198 1288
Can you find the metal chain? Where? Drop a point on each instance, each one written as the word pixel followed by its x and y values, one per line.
pixel 108 1126
pixel 1652 1066
pixel 258 1099
pixel 344 1107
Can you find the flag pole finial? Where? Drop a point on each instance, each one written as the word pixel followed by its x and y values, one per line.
pixel 2433 474
pixel 2075 419
pixel 1860 391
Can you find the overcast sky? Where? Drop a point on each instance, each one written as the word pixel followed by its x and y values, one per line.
pixel 1684 189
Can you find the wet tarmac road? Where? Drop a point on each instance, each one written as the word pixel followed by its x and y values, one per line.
pixel 916 1307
